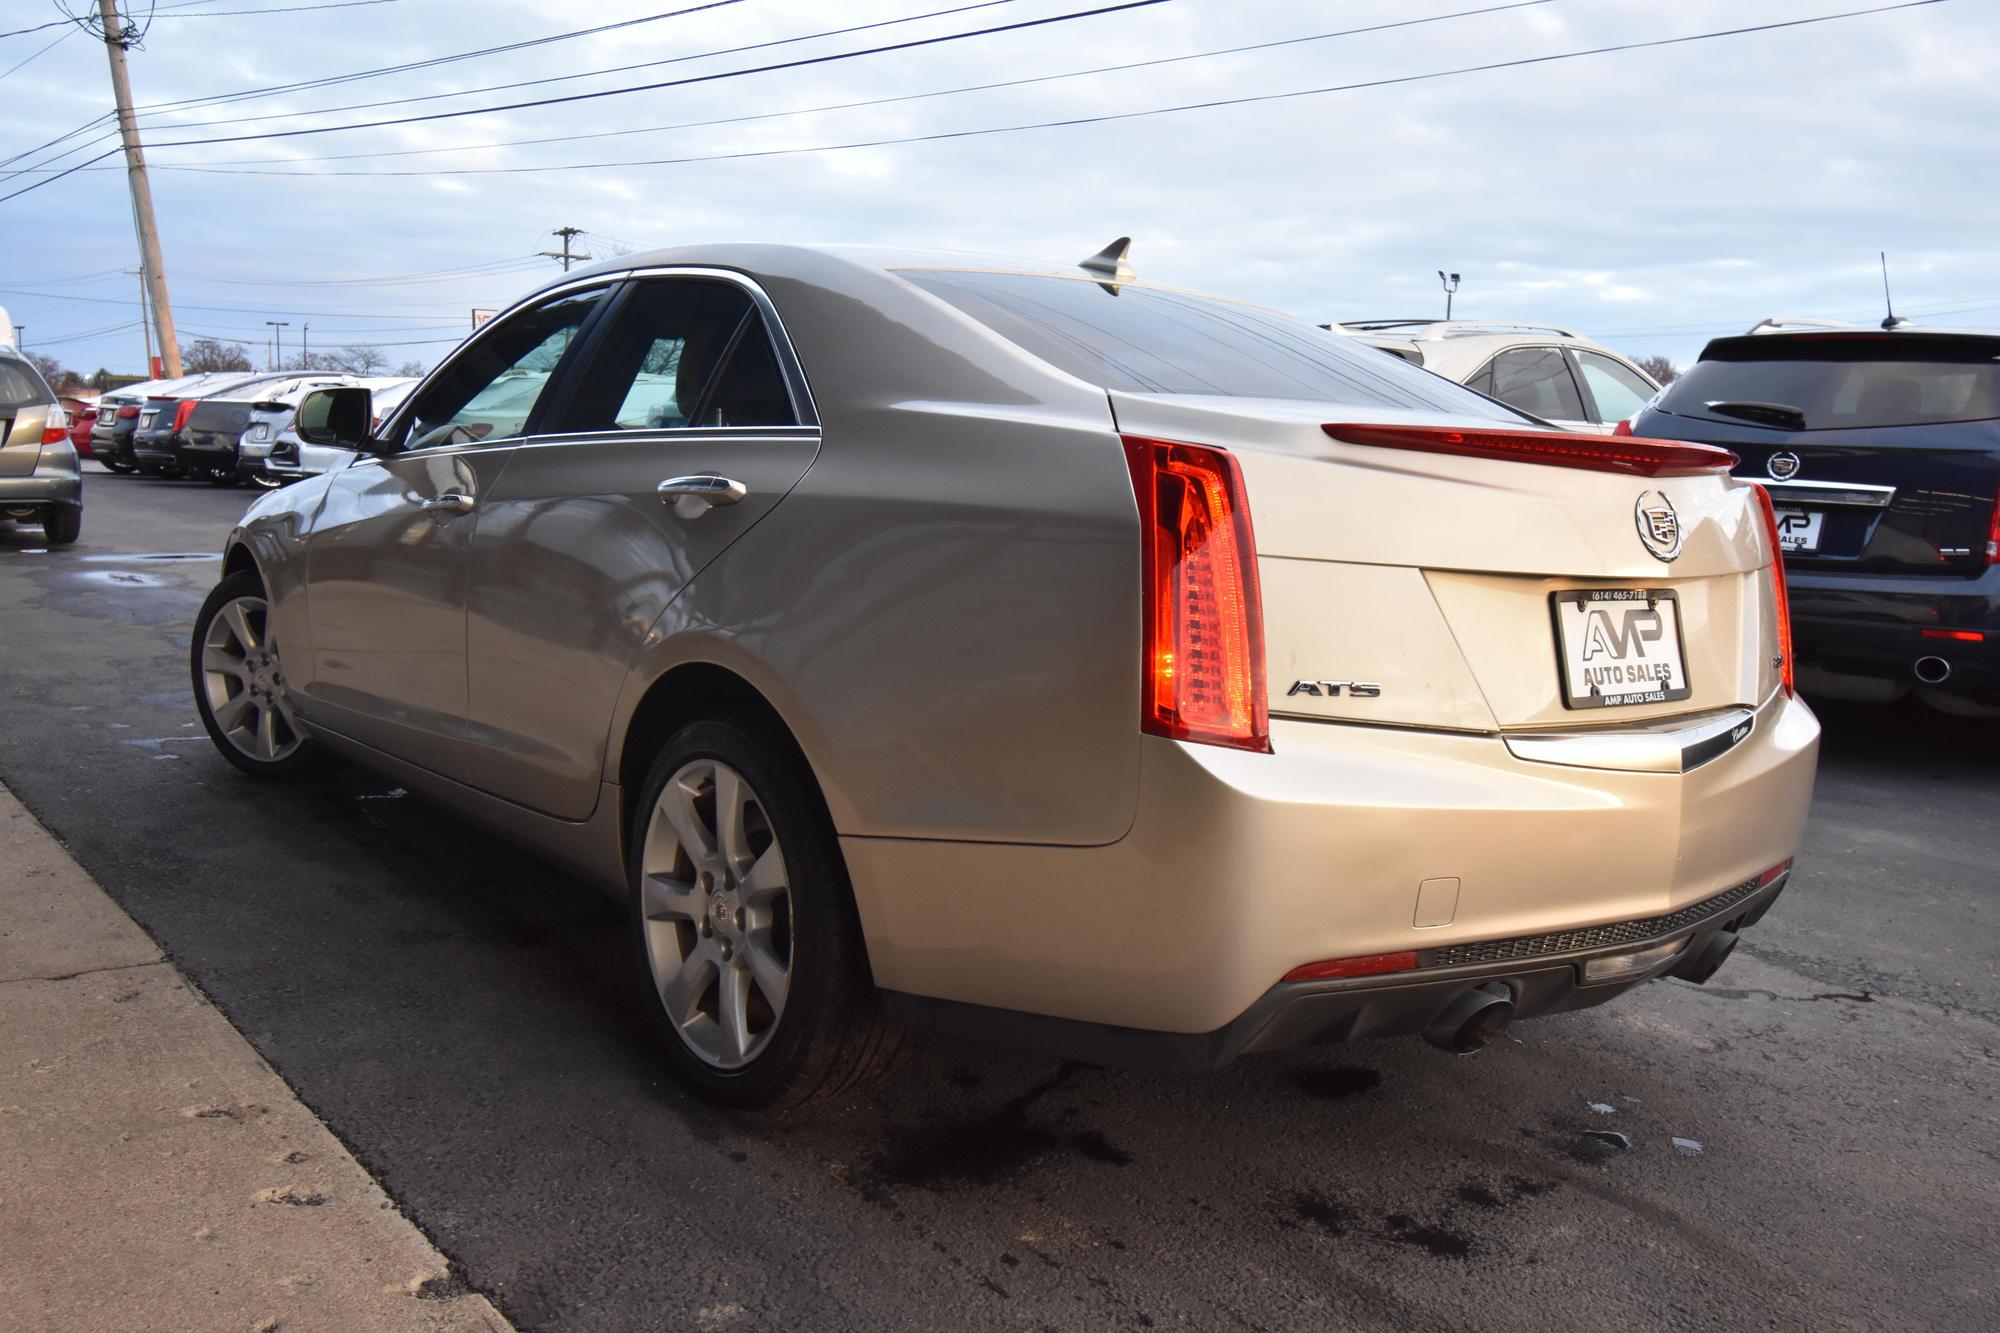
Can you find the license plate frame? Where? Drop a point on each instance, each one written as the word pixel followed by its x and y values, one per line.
pixel 1584 683
pixel 1798 530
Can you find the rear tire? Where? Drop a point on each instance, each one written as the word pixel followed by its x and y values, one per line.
pixel 60 527
pixel 112 465
pixel 239 685
pixel 750 960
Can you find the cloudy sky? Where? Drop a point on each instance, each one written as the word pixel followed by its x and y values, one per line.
pixel 1651 197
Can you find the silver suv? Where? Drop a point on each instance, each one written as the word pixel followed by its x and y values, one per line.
pixel 1552 373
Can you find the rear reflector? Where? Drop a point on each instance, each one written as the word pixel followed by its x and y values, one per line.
pixel 1771 875
pixel 1373 965
pixel 1203 621
pixel 1631 455
pixel 1780 596
pixel 1957 635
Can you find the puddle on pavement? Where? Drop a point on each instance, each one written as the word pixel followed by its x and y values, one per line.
pixel 153 556
pixel 124 578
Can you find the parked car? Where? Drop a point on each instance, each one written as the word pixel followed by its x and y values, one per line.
pixel 1030 652
pixel 82 414
pixel 40 478
pixel 1881 451
pixel 118 418
pixel 1553 374
pixel 207 441
pixel 164 416
pixel 284 458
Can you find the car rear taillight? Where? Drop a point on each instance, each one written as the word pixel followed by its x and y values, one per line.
pixel 1623 430
pixel 1993 535
pixel 128 412
pixel 1628 454
pixel 56 429
pixel 1203 630
pixel 181 415
pixel 1780 598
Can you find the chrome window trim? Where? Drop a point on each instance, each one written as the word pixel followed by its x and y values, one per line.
pixel 797 388
pixel 1856 494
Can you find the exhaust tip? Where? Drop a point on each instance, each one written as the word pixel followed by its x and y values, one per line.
pixel 1699 967
pixel 1473 1019
pixel 1932 670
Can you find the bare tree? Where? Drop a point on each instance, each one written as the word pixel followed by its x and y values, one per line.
pixel 1660 368
pixel 60 378
pixel 206 354
pixel 360 359
pixel 411 370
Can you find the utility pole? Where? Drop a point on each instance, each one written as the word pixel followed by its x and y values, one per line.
pixel 145 320
pixel 142 192
pixel 566 233
pixel 278 327
pixel 305 346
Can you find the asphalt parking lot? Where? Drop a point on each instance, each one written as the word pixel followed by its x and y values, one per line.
pixel 1807 1142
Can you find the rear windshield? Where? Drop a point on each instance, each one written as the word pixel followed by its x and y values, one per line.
pixel 20 387
pixel 1144 340
pixel 1842 383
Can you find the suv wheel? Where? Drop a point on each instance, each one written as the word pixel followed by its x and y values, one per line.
pixel 239 684
pixel 749 948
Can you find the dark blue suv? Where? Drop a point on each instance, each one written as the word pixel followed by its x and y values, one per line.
pixel 1881 452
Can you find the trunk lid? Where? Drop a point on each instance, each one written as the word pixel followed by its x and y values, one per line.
pixel 1434 579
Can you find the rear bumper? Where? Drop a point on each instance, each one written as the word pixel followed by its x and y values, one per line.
pixel 151 449
pixel 1545 975
pixel 1240 867
pixel 204 453
pixel 1872 627
pixel 42 490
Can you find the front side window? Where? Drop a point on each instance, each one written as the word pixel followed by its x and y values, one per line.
pixel 1619 392
pixel 491 389
pixel 1537 380
pixel 682 352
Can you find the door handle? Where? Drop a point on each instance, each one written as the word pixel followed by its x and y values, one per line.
pixel 451 502
pixel 693 496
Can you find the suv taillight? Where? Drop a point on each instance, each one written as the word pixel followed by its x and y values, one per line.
pixel 1203 629
pixel 1993 535
pixel 1780 597
pixel 181 415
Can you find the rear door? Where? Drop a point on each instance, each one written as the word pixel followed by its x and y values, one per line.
pixel 386 562
pixel 690 384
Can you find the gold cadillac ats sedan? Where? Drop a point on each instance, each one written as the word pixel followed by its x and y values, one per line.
pixel 1033 653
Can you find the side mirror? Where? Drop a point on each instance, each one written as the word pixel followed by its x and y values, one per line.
pixel 341 418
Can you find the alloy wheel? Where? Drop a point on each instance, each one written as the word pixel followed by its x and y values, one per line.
pixel 716 906
pixel 244 682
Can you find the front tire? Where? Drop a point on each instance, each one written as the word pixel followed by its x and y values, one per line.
pixel 749 950
pixel 239 684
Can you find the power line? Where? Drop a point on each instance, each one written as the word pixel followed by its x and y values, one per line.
pixel 597 73
pixel 292 9
pixel 39 54
pixel 1096 119
pixel 800 63
pixel 229 309
pixel 433 61
pixel 904 97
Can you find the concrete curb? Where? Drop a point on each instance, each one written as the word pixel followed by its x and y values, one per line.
pixel 155 1172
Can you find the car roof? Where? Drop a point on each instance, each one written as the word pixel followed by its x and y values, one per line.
pixel 1766 343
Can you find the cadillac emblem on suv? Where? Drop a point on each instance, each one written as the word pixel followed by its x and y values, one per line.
pixel 1659 524
pixel 1783 465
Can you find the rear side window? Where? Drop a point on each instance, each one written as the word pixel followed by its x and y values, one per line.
pixel 1842 383
pixel 682 352
pixel 20 387
pixel 1144 340
pixel 1537 380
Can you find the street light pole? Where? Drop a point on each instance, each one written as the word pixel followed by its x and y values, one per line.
pixel 1450 285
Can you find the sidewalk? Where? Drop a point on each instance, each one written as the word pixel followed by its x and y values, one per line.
pixel 155 1173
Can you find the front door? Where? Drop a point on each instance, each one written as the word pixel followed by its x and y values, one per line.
pixel 386 561
pixel 578 551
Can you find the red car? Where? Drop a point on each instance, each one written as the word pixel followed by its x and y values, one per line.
pixel 82 416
